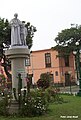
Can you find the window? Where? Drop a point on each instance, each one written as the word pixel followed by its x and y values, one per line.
pixel 56 73
pixel 48 59
pixel 27 61
pixel 66 61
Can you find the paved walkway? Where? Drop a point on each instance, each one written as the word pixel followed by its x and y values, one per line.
pixel 72 89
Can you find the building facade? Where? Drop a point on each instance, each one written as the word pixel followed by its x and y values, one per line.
pixel 46 61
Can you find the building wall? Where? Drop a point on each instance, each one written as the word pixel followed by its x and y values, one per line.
pixel 63 68
pixel 37 67
pixel 67 69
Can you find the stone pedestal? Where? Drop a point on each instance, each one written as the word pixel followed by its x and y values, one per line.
pixel 17 55
pixel 13 109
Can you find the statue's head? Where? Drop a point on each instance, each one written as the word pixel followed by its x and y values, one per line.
pixel 15 15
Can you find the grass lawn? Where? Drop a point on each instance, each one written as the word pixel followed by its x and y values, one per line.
pixel 71 108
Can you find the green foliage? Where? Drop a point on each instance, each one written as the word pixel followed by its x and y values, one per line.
pixel 53 95
pixel 5 102
pixel 4 31
pixel 6 39
pixel 44 81
pixel 67 38
pixel 30 34
pixel 2 82
pixel 3 109
pixel 34 104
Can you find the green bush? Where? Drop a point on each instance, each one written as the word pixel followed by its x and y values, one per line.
pixel 3 106
pixel 34 104
pixel 53 95
pixel 44 81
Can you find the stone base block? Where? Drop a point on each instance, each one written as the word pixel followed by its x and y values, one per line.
pixel 14 107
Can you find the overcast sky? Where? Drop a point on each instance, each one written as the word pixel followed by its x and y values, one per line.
pixel 48 16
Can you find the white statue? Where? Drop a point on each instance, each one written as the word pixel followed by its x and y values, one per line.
pixel 15 30
pixel 23 33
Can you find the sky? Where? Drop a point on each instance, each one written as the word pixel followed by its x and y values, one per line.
pixel 48 16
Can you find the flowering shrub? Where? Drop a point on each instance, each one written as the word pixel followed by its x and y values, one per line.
pixel 5 101
pixel 34 104
pixel 53 95
pixel 3 109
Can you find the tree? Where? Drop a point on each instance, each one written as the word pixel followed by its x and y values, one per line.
pixel 44 81
pixel 66 40
pixel 4 32
pixel 4 38
pixel 5 41
pixel 31 29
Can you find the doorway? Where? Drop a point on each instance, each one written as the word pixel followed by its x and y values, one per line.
pixel 67 79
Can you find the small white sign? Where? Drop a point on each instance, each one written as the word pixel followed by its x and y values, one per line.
pixel 22 72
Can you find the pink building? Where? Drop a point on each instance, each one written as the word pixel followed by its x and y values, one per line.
pixel 43 61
